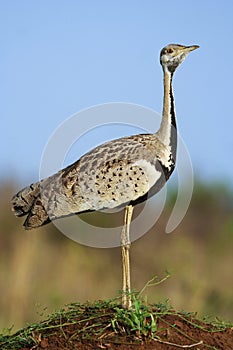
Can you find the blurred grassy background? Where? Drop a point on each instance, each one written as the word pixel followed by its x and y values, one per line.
pixel 41 270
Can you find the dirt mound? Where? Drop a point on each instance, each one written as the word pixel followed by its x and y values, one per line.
pixel 105 325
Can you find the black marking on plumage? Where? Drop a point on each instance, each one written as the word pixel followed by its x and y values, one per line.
pixel 165 174
pixel 19 210
pixel 172 65
pixel 173 139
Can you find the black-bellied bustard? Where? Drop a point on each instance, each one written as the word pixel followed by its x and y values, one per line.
pixel 120 172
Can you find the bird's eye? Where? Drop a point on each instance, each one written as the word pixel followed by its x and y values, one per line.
pixel 169 50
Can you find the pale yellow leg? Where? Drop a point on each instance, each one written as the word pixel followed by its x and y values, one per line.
pixel 125 246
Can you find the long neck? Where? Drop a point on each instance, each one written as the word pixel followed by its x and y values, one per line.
pixel 167 131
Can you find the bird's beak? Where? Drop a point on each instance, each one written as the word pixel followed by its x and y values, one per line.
pixel 188 49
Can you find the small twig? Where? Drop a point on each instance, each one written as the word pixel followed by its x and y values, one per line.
pixel 177 345
pixel 177 329
pixel 154 282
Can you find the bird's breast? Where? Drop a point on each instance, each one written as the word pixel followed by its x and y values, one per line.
pixel 150 170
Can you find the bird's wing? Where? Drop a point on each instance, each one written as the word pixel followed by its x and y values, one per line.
pixel 115 173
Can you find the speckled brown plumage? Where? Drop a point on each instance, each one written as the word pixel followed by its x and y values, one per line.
pixel 105 177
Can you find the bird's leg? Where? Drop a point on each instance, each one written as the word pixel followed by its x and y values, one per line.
pixel 125 246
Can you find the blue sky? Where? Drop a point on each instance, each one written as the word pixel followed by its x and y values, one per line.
pixel 59 57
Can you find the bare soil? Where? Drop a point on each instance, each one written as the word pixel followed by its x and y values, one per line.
pixel 86 327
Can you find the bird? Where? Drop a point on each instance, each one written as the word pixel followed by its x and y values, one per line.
pixel 119 173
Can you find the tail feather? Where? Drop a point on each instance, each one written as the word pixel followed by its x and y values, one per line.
pixel 28 202
pixel 23 201
pixel 37 216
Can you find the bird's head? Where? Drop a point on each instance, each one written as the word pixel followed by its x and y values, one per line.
pixel 173 55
